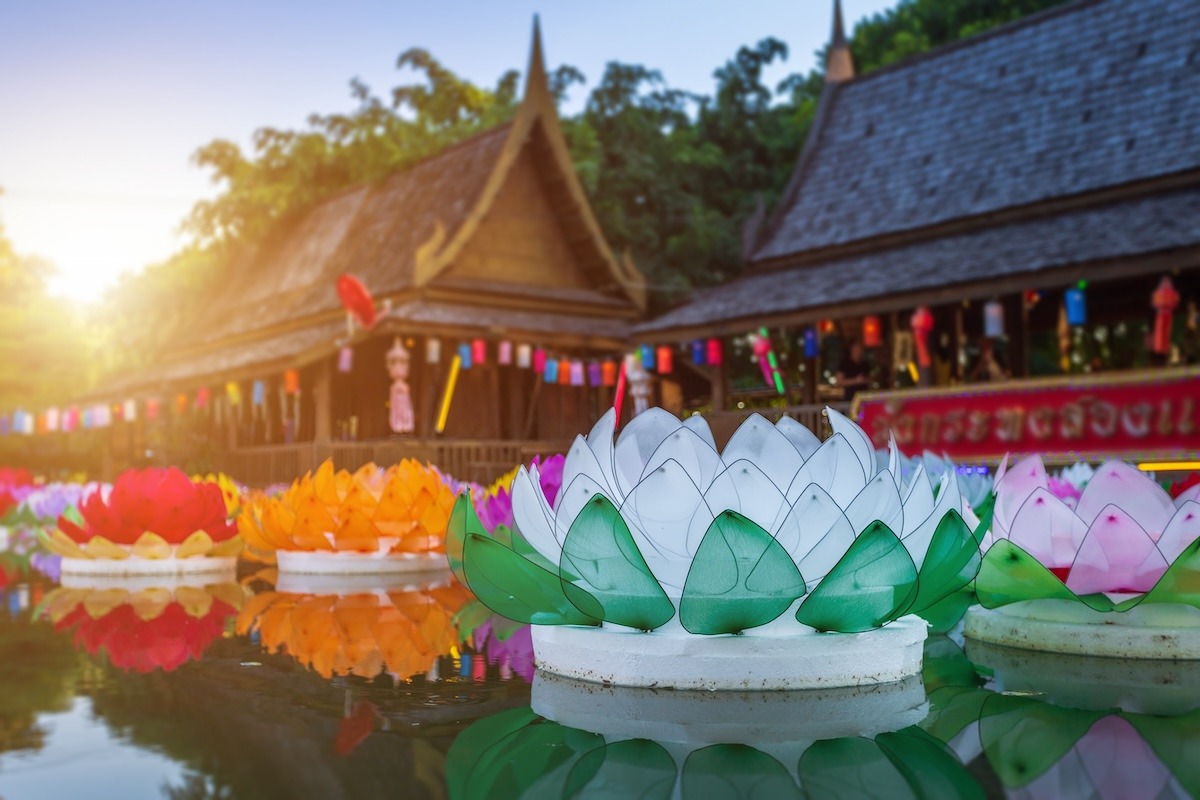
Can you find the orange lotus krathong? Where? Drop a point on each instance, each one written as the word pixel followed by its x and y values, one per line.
pixel 373 520
pixel 154 521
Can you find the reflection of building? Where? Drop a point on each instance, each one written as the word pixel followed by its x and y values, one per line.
pixel 490 243
pixel 1058 149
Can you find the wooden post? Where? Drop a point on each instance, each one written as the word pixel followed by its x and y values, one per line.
pixel 720 387
pixel 323 404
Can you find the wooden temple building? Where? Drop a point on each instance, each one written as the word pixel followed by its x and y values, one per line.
pixel 489 245
pixel 993 176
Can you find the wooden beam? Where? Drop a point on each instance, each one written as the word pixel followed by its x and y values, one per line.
pixel 323 404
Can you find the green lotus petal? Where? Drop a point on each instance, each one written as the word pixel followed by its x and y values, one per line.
pixel 985 511
pixel 471 746
pixel 632 768
pixel 945 664
pixel 722 771
pixel 1180 583
pixel 874 583
pixel 470 617
pixel 740 578
pixel 503 535
pixel 1023 737
pixel 1176 742
pixel 463 521
pixel 943 615
pixel 851 768
pixel 952 709
pixel 604 574
pixel 535 760
pixel 515 587
pixel 1008 574
pixel 929 766
pixel 951 563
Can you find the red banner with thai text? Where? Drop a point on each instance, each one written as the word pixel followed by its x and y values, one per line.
pixel 1134 415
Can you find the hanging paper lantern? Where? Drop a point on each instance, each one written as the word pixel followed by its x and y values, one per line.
pixel 130 410
pixel 812 344
pixel 356 300
pixel 524 356
pixel 577 373
pixel 478 351
pixel 564 372
pixel 464 355
pixel 258 393
pixel 872 331
pixel 698 352
pixel 767 360
pixel 648 357
pixel 1032 297
pixel 504 353
pixel 665 360
pixel 181 403
pixel 595 374
pixel 202 397
pixel 151 408
pixel 922 325
pixel 102 417
pixel 608 373
pixel 539 361
pixel 52 419
pixel 993 319
pixel 549 368
pixel 714 352
pixel 345 361
pixel 433 350
pixel 1165 300
pixel 827 326
pixel 234 392
pixel 291 381
pixel 1076 306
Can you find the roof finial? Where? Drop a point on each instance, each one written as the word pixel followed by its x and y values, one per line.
pixel 535 75
pixel 839 64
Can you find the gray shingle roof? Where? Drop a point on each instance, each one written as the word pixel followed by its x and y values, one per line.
pixel 1093 95
pixel 1126 228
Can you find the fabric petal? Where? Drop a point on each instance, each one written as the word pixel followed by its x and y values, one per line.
pixel 1130 489
pixel 858 439
pixel 1117 555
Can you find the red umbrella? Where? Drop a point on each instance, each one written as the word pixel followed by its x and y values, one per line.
pixel 356 300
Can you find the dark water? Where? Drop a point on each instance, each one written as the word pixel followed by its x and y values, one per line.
pixel 111 693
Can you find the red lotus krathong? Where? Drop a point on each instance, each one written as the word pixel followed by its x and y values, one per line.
pixel 151 515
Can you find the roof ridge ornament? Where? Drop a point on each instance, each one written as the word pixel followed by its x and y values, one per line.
pixel 839 62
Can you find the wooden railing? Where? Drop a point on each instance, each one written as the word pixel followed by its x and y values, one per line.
pixel 481 461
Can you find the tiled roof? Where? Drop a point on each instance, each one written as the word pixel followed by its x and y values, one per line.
pixel 1126 228
pixel 1088 96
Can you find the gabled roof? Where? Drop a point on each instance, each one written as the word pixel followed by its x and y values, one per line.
pixel 1084 97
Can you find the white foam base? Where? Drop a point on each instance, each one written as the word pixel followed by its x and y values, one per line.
pixel 752 718
pixel 308 583
pixel 135 565
pixel 1162 631
pixel 335 563
pixel 806 660
pixel 137 583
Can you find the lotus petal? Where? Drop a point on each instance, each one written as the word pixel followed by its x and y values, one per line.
pixel 1119 762
pixel 760 443
pixel 879 501
pixel 731 770
pixel 1120 484
pixel 858 439
pixel 1047 529
pixel 919 501
pixel 917 543
pixel 101 602
pixel 227 549
pixel 894 463
pixel 198 544
pixel 65 546
pixel 746 489
pixel 572 499
pixel 824 534
pixel 600 442
pixel 1117 555
pixel 667 517
pixel 582 461
pixel 698 425
pixel 1011 492
pixel 1183 529
pixel 1189 494
pixel 804 440
pixel 516 587
pixel 835 468
pixel 150 603
pixel 151 545
pixel 637 443
pixel 698 459
pixel 194 600
pixel 99 547
pixel 530 518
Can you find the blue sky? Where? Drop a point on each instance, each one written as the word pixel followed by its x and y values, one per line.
pixel 102 103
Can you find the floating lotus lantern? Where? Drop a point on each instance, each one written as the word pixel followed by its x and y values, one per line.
pixel 1113 574
pixel 144 628
pixel 371 521
pixel 396 628
pixel 154 521
pixel 779 538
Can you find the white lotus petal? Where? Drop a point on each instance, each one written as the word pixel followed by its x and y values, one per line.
pixel 600 442
pixel 1012 492
pixel 894 464
pixel 530 517
pixel 948 498
pixel 667 517
pixel 835 468
pixel 1047 529
pixel 1183 529
pixel 805 441
pixel 1131 490
pixel 637 443
pixel 746 489
pixel 858 439
pixel 918 502
pixel 824 533
pixel 758 441
pixel 1001 471
pixel 697 458
pixel 572 498
pixel 699 425
pixel 581 460
pixel 878 501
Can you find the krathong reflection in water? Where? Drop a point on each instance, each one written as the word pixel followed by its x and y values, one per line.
pixel 143 624
pixel 1051 725
pixel 583 739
